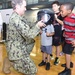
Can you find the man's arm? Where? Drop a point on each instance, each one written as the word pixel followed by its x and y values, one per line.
pixel 25 30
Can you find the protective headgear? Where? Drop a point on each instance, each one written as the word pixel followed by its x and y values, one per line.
pixel 46 16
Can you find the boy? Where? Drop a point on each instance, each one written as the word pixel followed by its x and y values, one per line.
pixel 69 34
pixel 46 43
pixel 58 29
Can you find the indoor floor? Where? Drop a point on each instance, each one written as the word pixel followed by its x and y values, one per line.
pixel 37 57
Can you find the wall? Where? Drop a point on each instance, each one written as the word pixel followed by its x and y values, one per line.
pixel 31 15
pixel 6 13
pixel 1 21
pixel 74 10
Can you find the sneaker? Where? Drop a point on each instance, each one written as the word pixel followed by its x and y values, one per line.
pixel 61 53
pixel 42 63
pixel 56 62
pixel 65 72
pixel 71 65
pixel 47 66
pixel 51 57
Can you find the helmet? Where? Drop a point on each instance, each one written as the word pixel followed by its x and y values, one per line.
pixel 46 16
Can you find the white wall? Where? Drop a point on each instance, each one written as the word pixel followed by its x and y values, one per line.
pixel 1 21
pixel 6 13
pixel 4 17
pixel 31 15
pixel 74 10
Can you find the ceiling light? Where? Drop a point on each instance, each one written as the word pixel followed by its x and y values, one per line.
pixel 34 8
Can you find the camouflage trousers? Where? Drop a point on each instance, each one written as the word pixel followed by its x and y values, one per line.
pixel 25 66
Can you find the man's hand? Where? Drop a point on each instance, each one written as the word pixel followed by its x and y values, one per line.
pixel 41 24
pixel 41 32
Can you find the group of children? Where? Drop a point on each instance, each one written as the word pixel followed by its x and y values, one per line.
pixel 64 21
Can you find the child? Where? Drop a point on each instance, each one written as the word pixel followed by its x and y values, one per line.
pixel 73 43
pixel 46 44
pixel 58 30
pixel 69 34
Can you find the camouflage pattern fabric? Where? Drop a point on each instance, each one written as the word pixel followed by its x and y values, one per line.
pixel 19 44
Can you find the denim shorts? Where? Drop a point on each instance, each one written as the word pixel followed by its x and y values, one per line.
pixel 47 49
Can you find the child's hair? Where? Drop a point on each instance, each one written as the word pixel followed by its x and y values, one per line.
pixel 68 5
pixel 55 2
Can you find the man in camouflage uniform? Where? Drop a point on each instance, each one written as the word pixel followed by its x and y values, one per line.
pixel 20 39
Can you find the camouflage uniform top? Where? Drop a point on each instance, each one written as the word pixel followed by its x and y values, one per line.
pixel 19 36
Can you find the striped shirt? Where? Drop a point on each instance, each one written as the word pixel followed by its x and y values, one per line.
pixel 69 26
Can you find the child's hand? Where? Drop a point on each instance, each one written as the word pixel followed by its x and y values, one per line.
pixel 55 16
pixel 47 34
pixel 63 34
pixel 73 43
